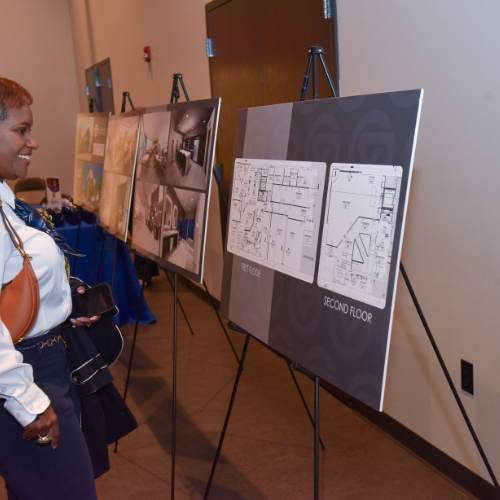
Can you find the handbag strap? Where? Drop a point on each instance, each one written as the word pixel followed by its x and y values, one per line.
pixel 16 239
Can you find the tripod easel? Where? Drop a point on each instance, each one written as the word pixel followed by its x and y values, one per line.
pixel 174 96
pixel 314 53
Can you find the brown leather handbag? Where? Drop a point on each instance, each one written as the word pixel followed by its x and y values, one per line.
pixel 20 297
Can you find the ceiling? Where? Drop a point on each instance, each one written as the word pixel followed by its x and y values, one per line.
pixel 192 119
pixel 188 199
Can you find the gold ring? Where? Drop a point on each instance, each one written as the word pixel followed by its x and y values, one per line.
pixel 44 439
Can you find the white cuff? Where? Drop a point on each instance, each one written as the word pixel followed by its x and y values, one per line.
pixel 36 402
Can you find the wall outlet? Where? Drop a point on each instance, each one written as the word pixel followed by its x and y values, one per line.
pixel 467 377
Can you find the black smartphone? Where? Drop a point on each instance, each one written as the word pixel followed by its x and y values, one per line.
pixel 95 301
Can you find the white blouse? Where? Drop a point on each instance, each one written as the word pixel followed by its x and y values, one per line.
pixel 24 399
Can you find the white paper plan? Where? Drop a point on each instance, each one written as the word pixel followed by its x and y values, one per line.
pixel 275 214
pixel 358 231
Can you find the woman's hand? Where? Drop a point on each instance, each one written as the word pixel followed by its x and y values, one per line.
pixel 45 425
pixel 81 322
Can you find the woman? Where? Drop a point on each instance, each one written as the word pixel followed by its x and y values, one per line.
pixel 37 399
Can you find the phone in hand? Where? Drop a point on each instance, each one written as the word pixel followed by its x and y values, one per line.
pixel 95 301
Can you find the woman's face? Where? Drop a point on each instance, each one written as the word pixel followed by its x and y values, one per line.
pixel 16 143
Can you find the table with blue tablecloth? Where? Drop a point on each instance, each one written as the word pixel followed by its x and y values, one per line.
pixel 126 289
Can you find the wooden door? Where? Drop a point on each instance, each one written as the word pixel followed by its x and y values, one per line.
pixel 235 70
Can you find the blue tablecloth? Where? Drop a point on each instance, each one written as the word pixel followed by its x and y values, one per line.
pixel 126 289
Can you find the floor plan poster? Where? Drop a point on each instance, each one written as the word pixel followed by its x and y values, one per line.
pixel 314 277
pixel 358 231
pixel 275 214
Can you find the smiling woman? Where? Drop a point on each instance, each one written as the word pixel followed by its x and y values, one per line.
pixel 38 404
pixel 16 142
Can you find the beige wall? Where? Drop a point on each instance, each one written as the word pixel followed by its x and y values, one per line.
pixel 452 244
pixel 175 31
pixel 36 50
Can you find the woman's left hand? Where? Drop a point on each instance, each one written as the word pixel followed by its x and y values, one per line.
pixel 81 322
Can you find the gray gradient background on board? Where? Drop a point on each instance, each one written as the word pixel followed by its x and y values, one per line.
pixel 345 351
pixel 266 134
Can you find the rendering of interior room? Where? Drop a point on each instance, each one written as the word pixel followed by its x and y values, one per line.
pixel 188 158
pixel 153 147
pixel 148 216
pixel 182 228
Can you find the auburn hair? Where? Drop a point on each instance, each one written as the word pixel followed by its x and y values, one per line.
pixel 12 95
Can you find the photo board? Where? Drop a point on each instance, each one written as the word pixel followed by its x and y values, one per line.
pixel 173 182
pixel 118 172
pixel 53 190
pixel 315 228
pixel 90 144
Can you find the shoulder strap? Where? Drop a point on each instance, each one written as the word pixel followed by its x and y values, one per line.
pixel 16 239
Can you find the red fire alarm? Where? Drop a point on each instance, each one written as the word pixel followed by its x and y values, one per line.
pixel 147 53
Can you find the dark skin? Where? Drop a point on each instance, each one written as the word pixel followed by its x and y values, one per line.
pixel 47 424
pixel 16 146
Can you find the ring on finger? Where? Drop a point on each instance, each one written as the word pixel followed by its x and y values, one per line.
pixel 44 439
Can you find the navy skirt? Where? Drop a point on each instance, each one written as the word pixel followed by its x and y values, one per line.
pixel 34 472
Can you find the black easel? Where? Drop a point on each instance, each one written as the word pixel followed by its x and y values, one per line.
pixel 134 338
pixel 174 96
pixel 300 369
pixel 126 95
pixel 315 52
pixel 92 103
pixel 179 302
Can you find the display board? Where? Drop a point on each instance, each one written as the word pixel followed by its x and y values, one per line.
pixel 173 181
pixel 119 170
pixel 315 228
pixel 91 131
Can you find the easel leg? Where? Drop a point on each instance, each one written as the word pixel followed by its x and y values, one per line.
pixel 220 321
pixel 132 350
pixel 316 438
pixel 292 373
pixel 174 389
pixel 448 377
pixel 228 415
pixel 179 302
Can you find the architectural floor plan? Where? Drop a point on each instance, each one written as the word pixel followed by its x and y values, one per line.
pixel 275 214
pixel 358 231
